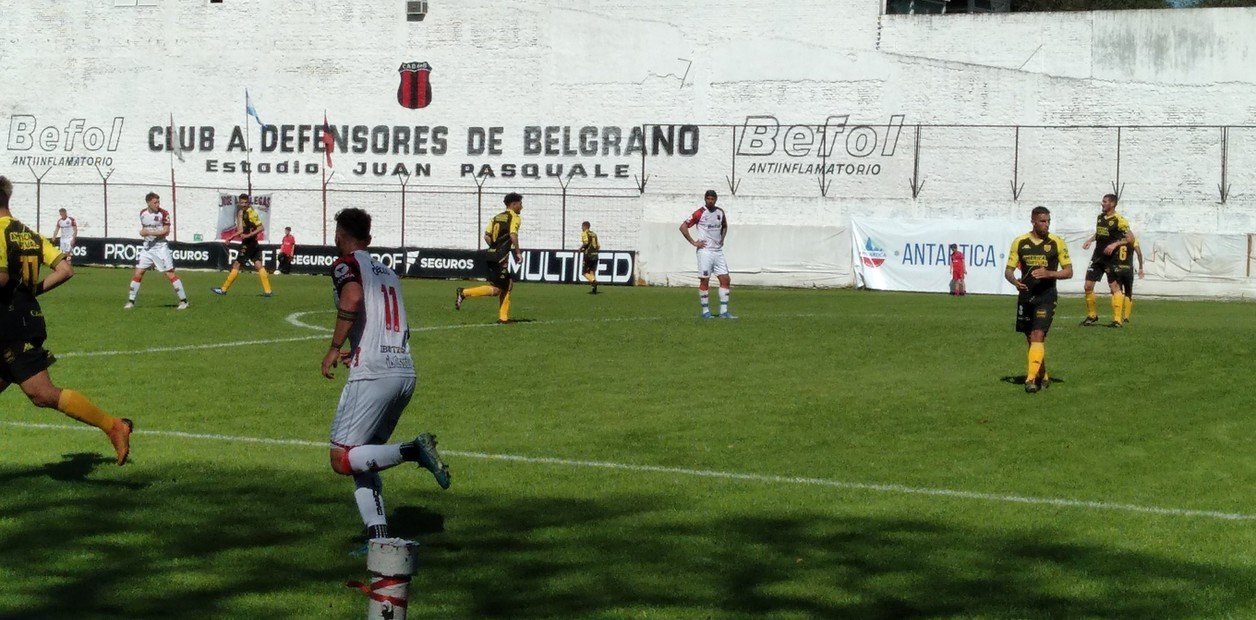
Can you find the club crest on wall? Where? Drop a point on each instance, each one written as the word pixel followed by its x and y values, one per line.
pixel 415 89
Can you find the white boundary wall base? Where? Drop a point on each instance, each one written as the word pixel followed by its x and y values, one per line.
pixel 801 116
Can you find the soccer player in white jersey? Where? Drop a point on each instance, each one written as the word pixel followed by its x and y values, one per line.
pixel 712 224
pixel 67 233
pixel 371 318
pixel 154 226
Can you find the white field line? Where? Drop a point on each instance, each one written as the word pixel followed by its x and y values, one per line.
pixel 295 319
pixel 896 489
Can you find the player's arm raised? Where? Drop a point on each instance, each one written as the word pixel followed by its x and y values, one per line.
pixel 346 314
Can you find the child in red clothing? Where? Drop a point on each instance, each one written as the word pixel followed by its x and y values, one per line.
pixel 957 271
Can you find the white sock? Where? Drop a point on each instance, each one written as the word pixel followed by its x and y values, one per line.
pixel 178 289
pixel 723 300
pixel 364 459
pixel 704 297
pixel 135 290
pixel 367 496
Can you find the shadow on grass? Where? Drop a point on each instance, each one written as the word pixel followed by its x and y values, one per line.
pixel 1020 379
pixel 194 540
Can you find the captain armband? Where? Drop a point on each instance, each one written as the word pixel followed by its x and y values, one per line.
pixel 346 315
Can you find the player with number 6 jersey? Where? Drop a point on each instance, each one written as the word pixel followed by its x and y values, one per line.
pixel 371 319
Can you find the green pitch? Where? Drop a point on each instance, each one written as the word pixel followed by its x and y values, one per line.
pixel 831 454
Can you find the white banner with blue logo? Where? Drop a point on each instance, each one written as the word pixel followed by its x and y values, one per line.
pixel 914 255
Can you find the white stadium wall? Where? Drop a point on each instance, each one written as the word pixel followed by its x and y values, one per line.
pixel 803 115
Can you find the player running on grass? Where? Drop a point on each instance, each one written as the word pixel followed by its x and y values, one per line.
pixel 371 318
pixel 23 359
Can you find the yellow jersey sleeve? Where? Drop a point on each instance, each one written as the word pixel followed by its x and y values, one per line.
pixel 4 243
pixel 251 213
pixel 50 254
pixel 514 223
pixel 1013 255
pixel 584 238
pixel 1065 261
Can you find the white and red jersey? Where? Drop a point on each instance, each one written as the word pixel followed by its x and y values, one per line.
pixel 710 224
pixel 380 338
pixel 152 222
pixel 65 227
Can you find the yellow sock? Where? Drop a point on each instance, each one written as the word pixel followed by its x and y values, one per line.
pixel 479 291
pixel 1118 300
pixel 1129 307
pixel 1037 353
pixel 235 273
pixel 261 273
pixel 503 311
pixel 80 408
pixel 1091 311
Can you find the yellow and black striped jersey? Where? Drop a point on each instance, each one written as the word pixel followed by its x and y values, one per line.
pixel 1029 253
pixel 22 252
pixel 588 242
pixel 500 228
pixel 248 222
pixel 1109 228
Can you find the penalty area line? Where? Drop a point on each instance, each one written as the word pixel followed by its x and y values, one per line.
pixel 896 489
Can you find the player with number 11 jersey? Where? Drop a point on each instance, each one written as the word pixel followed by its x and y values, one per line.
pixel 371 319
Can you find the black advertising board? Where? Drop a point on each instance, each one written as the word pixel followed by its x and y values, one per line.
pixel 542 266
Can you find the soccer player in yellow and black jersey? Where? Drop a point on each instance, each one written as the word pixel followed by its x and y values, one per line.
pixel 502 237
pixel 589 248
pixel 1124 275
pixel 1112 232
pixel 23 359
pixel 248 227
pixel 1042 258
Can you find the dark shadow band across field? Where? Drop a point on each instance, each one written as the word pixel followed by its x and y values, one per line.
pixel 195 540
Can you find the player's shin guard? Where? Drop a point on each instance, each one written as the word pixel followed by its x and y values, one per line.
pixel 178 289
pixel 135 290
pixel 503 310
pixel 1118 301
pixel 1037 354
pixel 723 300
pixel 1091 310
pixel 363 459
pixel 1129 307
pixel 80 408
pixel 370 502
pixel 478 291
pixel 231 278
pixel 261 273
pixel 704 298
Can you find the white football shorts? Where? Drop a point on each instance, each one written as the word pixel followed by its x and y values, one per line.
pixel 711 263
pixel 67 246
pixel 369 410
pixel 157 257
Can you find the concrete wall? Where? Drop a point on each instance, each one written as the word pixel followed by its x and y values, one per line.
pixel 734 77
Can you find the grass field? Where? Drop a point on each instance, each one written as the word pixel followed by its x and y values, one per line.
pixel 831 454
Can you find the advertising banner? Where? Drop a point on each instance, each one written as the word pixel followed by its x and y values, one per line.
pixel 914 255
pixel 546 266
